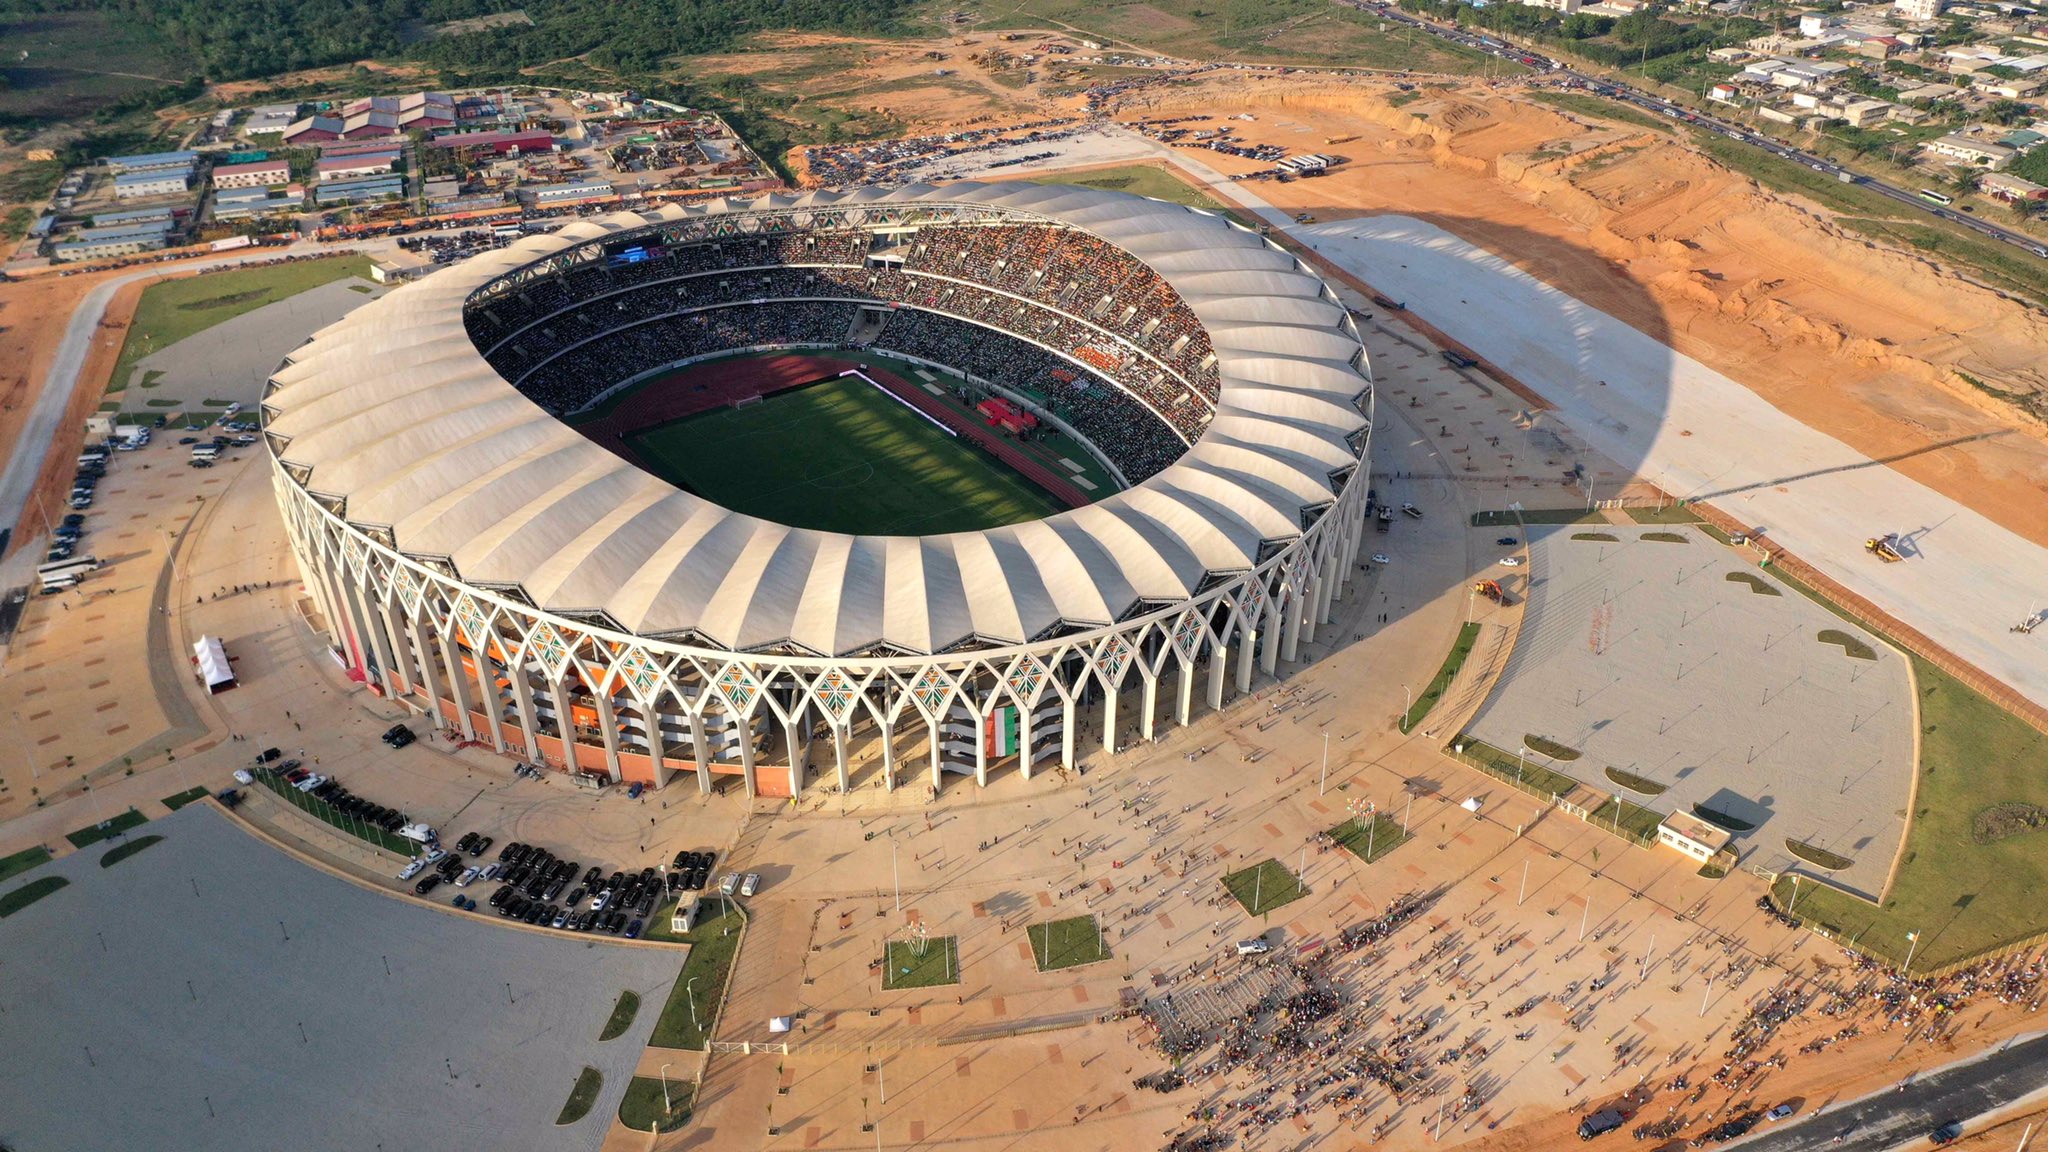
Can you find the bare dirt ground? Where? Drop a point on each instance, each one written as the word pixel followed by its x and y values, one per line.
pixel 1868 344
pixel 920 84
pixel 33 316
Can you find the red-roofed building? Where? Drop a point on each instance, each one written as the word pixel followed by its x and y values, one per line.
pixel 497 143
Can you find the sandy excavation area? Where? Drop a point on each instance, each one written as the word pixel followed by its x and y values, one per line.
pixel 1869 344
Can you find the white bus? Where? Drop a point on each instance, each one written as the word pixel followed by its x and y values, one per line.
pixel 1933 197
pixel 63 570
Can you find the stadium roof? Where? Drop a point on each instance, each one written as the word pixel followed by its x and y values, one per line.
pixel 393 416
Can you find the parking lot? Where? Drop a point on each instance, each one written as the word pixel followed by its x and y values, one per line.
pixel 215 993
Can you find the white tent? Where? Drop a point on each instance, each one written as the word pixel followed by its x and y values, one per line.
pixel 1471 805
pixel 210 660
pixel 778 1024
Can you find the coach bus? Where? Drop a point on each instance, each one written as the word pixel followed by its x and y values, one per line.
pixel 1933 197
pixel 64 573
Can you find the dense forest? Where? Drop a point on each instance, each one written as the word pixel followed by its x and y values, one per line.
pixel 242 39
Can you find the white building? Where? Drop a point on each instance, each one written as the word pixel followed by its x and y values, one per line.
pixel 1964 150
pixel 261 174
pixel 1917 9
pixel 136 185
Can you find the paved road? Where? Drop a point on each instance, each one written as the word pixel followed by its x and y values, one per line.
pixel 39 432
pixel 1891 1118
pixel 1628 94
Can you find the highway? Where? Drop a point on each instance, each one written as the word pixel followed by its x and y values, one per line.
pixel 1628 94
pixel 1909 1116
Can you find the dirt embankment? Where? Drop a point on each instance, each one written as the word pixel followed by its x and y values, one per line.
pixel 1885 349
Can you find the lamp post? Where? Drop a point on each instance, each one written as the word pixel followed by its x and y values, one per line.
pixel 1409 698
pixel 690 991
pixel 1324 780
pixel 896 872
pixel 1521 764
pixel 667 1108
pixel 1906 969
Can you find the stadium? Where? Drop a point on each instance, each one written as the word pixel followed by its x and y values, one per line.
pixel 952 480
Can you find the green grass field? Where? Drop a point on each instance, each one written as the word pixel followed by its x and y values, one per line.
pixel 22 861
pixel 1372 839
pixel 713 944
pixel 904 968
pixel 1264 887
pixel 28 894
pixel 621 1017
pixel 841 456
pixel 170 311
pixel 1066 943
pixel 88 836
pixel 1468 635
pixel 186 797
pixel 642 1107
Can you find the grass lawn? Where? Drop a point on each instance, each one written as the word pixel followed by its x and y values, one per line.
pixel 22 861
pixel 642 1108
pixel 120 852
pixel 1145 180
pixel 321 810
pixel 1467 636
pixel 841 456
pixel 28 894
pixel 183 798
pixel 1600 109
pixel 1532 778
pixel 1264 887
pixel 170 311
pixel 1668 514
pixel 1962 896
pixel 902 967
pixel 1058 944
pixel 713 943
pixel 1630 819
pixel 87 837
pixel 1301 31
pixel 588 1083
pixel 1535 516
pixel 621 1017
pixel 1375 839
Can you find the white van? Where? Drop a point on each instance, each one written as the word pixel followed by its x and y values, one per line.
pixel 420 834
pixel 205 452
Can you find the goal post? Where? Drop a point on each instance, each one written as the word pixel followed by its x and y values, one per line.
pixel 747 401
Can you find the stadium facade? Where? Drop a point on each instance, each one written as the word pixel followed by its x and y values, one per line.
pixel 477 557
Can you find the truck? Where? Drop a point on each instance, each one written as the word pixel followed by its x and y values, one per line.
pixel 230 244
pixel 1492 590
pixel 1386 519
pixel 1410 510
pixel 1884 547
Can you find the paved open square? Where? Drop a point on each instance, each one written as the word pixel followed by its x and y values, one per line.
pixel 1661 654
pixel 213 992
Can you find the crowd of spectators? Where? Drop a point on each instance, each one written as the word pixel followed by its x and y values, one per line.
pixel 566 338
pixel 576 377
pixel 1122 429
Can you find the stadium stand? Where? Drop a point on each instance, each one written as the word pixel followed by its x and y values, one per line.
pixel 1051 311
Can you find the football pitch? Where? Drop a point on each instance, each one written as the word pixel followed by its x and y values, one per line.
pixel 840 456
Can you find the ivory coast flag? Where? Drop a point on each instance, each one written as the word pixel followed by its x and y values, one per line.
pixel 1002 731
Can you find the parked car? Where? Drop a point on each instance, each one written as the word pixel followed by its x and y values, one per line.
pixel 1256 946
pixel 412 868
pixel 750 884
pixel 428 883
pixel 633 930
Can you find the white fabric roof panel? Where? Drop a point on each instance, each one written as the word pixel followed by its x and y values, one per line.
pixel 395 411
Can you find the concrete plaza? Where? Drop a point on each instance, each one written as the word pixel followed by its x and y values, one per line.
pixel 213 992
pixel 1657 652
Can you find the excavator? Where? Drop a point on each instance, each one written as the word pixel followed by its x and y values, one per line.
pixel 1492 590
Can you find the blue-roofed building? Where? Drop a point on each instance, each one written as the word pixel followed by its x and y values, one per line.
pixel 155 182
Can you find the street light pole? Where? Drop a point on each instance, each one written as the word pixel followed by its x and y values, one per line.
pixel 1906 969
pixel 667 1108
pixel 1409 697
pixel 1324 781
pixel 1704 996
pixel 1521 763
pixel 690 991
pixel 896 872
pixel 1524 893
pixel 1585 912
